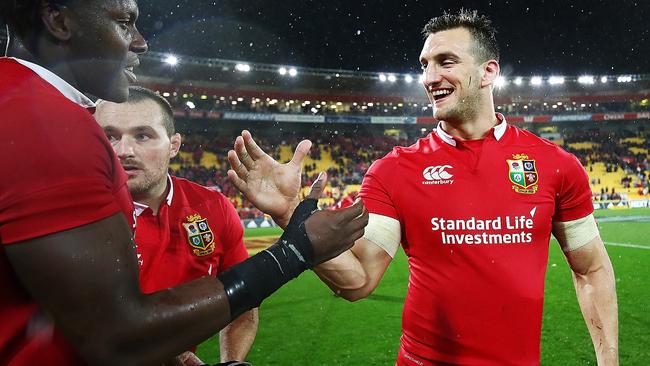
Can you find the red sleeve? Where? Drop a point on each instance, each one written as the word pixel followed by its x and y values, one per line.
pixel 574 197
pixel 377 186
pixel 233 236
pixel 57 169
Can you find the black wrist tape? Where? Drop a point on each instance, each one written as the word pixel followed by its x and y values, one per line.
pixel 250 282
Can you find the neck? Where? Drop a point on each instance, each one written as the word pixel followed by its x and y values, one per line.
pixel 46 55
pixel 472 127
pixel 154 197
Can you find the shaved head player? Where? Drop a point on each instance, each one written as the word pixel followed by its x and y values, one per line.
pixel 473 206
pixel 68 267
pixel 184 231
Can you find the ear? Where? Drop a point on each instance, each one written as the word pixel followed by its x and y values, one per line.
pixel 176 144
pixel 56 21
pixel 490 73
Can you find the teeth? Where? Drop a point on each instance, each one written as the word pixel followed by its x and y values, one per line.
pixel 441 92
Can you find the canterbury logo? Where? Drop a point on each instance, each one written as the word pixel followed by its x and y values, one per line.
pixel 438 175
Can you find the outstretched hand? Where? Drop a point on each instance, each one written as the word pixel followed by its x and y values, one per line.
pixel 272 187
pixel 332 232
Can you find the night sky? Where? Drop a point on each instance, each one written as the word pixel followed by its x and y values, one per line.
pixel 545 37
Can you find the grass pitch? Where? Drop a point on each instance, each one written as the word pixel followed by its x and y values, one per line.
pixel 304 324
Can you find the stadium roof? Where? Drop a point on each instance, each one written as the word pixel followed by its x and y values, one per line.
pixel 542 37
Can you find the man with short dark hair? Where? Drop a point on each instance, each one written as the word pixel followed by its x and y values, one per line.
pixel 68 267
pixel 473 206
pixel 184 231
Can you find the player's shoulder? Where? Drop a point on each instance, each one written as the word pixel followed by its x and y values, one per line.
pixel 526 138
pixel 196 192
pixel 26 98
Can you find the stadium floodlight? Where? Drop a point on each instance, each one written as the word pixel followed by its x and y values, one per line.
pixel 500 82
pixel 624 79
pixel 243 67
pixel 190 104
pixel 536 80
pixel 556 80
pixel 166 94
pixel 518 80
pixel 282 71
pixel 171 60
pixel 382 78
pixel 408 79
pixel 293 72
pixel 586 79
pixel 603 79
pixel 392 78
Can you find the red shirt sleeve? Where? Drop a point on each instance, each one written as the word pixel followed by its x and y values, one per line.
pixel 377 186
pixel 57 166
pixel 574 197
pixel 233 237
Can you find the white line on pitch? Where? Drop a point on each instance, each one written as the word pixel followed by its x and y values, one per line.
pixel 628 245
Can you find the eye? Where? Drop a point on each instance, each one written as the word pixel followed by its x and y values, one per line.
pixel 112 139
pixel 448 62
pixel 423 67
pixel 142 137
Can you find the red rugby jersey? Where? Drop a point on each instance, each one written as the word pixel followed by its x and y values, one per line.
pixel 476 221
pixel 196 233
pixel 58 172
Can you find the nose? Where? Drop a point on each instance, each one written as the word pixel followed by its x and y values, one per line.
pixel 139 44
pixel 124 149
pixel 432 77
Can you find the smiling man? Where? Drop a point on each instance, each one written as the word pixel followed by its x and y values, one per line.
pixel 184 231
pixel 473 205
pixel 69 287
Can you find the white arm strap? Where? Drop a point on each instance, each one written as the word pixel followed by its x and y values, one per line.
pixel 383 231
pixel 575 234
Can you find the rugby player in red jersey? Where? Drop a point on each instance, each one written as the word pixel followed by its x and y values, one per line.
pixel 184 231
pixel 68 268
pixel 473 205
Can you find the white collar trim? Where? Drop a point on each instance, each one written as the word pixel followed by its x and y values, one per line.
pixel 498 130
pixel 140 207
pixel 61 85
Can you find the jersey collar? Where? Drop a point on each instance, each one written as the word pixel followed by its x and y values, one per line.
pixel 140 207
pixel 61 85
pixel 498 130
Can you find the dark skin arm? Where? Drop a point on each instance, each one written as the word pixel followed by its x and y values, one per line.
pixel 86 278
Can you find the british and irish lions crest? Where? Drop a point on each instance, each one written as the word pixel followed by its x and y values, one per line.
pixel 523 174
pixel 199 235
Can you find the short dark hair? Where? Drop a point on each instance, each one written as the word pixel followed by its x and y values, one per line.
pixel 24 16
pixel 138 94
pixel 479 26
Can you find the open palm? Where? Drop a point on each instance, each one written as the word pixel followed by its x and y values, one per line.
pixel 272 187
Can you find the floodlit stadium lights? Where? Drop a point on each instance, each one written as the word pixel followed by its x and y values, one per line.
pixel 171 60
pixel 603 79
pixel 518 81
pixel 536 80
pixel 293 72
pixel 166 94
pixel 392 78
pixel 500 82
pixel 586 79
pixel 624 79
pixel 282 70
pixel 243 67
pixel 408 79
pixel 190 104
pixel 556 80
pixel 382 78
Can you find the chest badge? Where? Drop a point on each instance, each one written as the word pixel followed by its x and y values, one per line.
pixel 199 235
pixel 523 175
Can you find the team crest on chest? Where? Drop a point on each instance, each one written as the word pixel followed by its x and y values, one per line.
pixel 522 172
pixel 199 235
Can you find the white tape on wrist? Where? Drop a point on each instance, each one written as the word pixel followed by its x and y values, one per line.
pixel 575 234
pixel 385 232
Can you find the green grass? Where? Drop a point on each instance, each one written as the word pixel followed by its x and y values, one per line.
pixel 304 324
pixel 264 231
